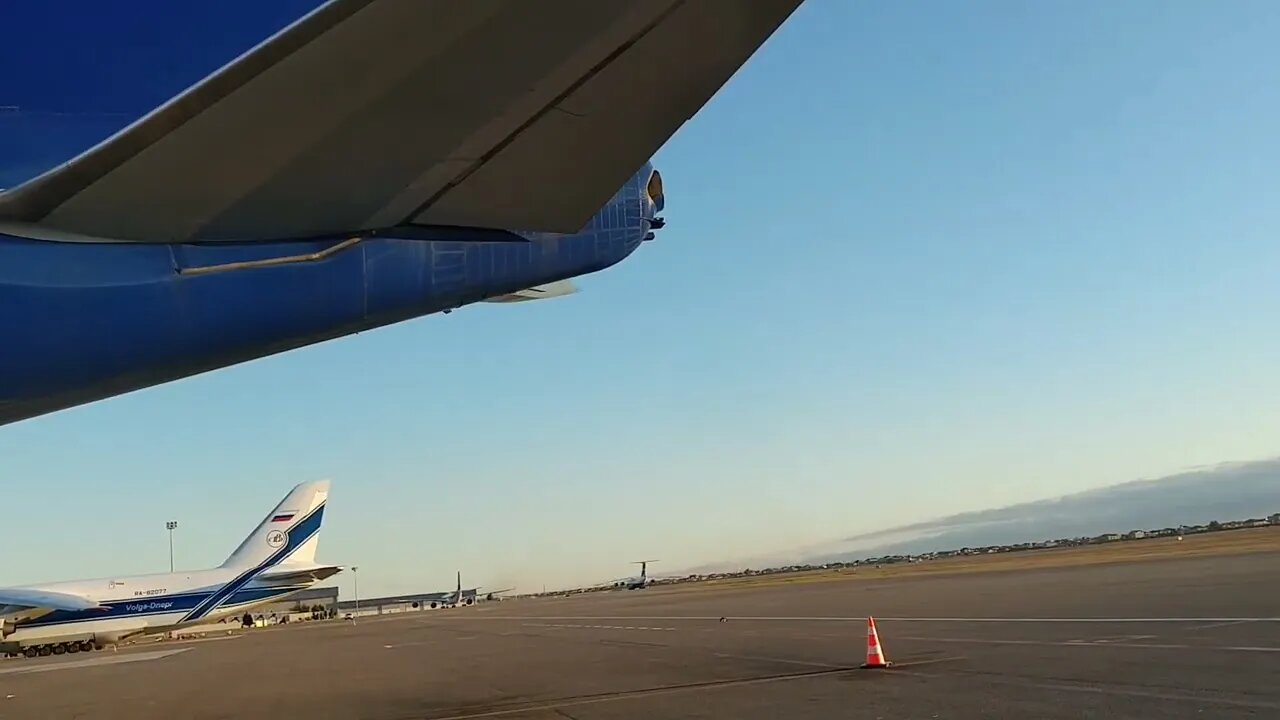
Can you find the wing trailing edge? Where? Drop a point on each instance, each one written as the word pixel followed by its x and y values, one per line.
pixel 369 114
pixel 46 600
pixel 559 288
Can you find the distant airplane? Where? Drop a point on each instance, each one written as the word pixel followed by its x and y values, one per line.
pixel 373 162
pixel 276 560
pixel 460 597
pixel 636 582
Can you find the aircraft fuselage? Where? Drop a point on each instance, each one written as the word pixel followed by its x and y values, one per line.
pixel 160 602
pixel 82 321
pixel 166 601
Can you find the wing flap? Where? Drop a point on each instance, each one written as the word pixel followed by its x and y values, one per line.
pixel 370 113
pixel 313 573
pixel 559 288
pixel 46 599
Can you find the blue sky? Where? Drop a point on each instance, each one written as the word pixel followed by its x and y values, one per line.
pixel 922 258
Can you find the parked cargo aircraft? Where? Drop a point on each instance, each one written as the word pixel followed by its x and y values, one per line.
pixel 460 597
pixel 372 162
pixel 276 560
pixel 636 582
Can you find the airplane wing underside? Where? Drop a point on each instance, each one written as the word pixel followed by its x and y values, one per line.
pixel 27 602
pixel 559 288
pixel 373 113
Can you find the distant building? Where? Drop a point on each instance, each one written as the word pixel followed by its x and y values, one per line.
pixel 1110 536
pixel 324 597
pixel 1274 519
pixel 1137 534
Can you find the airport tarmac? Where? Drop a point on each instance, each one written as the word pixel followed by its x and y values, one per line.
pixel 1170 639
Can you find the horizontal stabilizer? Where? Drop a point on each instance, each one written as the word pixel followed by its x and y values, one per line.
pixel 541 292
pixel 369 114
pixel 23 597
pixel 292 574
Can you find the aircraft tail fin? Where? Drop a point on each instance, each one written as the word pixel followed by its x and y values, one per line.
pixel 289 533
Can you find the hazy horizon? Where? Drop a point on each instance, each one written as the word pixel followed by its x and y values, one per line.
pixel 1226 491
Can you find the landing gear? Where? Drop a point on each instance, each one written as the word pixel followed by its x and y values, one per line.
pixel 74 646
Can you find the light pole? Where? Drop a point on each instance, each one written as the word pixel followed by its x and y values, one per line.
pixel 171 526
pixel 355 578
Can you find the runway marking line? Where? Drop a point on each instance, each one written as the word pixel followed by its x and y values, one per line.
pixel 1100 690
pixel 414 643
pixel 25 669
pixel 784 661
pixel 598 627
pixel 1094 643
pixel 1212 626
pixel 1171 620
pixel 833 666
pixel 863 618
pixel 1114 639
pixel 646 692
pixel 927 661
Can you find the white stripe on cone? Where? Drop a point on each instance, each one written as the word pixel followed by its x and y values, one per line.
pixel 875 655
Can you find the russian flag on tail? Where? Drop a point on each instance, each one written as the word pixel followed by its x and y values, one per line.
pixel 282 517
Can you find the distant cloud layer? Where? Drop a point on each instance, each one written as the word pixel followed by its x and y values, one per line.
pixel 1223 492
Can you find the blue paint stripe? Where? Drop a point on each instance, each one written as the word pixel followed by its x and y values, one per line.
pixel 298 536
pixel 155 606
pixel 304 530
pixel 250 597
pixel 131 608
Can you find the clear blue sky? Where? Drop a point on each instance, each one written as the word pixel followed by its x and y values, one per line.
pixel 921 258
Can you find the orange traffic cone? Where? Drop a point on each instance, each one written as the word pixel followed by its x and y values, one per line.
pixel 875 655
